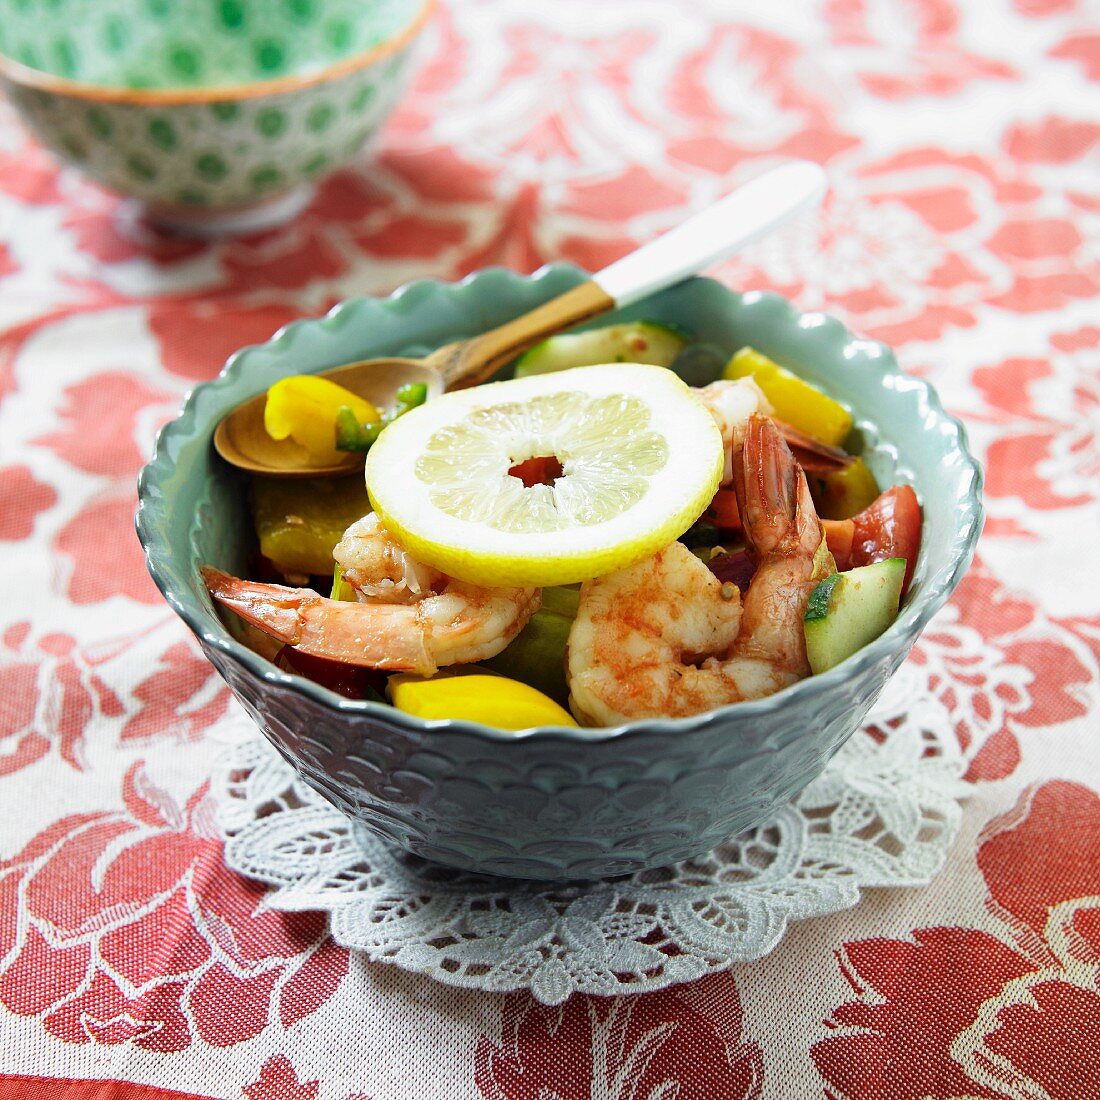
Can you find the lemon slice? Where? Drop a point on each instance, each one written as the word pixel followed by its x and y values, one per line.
pixel 638 458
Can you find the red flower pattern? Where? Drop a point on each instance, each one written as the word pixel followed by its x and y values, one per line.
pixel 1047 461
pixel 22 498
pixel 181 698
pixel 99 416
pixel 126 927
pixel 925 61
pixel 100 554
pixel 196 338
pixel 959 1012
pixel 982 657
pixel 683 1042
pixel 52 693
pixel 278 1081
pixel 739 88
pixel 1083 48
pixel 909 247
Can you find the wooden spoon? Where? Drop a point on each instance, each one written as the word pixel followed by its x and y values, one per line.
pixel 752 210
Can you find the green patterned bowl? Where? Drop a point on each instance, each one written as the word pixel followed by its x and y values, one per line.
pixel 557 803
pixel 218 115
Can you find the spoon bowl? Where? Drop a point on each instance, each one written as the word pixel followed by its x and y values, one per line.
pixel 242 440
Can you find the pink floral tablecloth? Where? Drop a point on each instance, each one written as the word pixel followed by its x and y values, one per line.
pixel 963 144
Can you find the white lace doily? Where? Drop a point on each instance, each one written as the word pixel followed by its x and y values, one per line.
pixel 884 813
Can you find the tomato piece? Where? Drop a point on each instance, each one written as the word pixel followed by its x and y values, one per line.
pixel 838 537
pixel 540 470
pixel 723 511
pixel 351 681
pixel 889 528
pixel 737 567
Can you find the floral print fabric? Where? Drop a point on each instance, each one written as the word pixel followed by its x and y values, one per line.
pixel 962 143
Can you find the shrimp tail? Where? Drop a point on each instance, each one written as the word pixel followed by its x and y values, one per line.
pixel 771 490
pixel 788 543
pixel 368 635
pixel 812 454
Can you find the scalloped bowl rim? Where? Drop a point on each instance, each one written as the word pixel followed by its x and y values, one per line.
pixel 42 81
pixel 906 627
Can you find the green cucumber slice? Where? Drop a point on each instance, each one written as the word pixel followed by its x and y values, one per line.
pixel 848 610
pixel 563 599
pixel 537 655
pixel 341 589
pixel 629 342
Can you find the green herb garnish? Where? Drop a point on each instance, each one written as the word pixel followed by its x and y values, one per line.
pixel 351 435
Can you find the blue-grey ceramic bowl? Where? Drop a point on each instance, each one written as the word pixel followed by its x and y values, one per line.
pixel 557 803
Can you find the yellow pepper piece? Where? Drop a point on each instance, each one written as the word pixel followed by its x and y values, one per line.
pixel 795 401
pixel 303 407
pixel 843 493
pixel 476 697
pixel 299 520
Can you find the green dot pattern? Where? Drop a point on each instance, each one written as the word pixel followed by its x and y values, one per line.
pixel 227 153
pixel 339 34
pixel 162 133
pixel 267 176
pixel 362 97
pixel 185 62
pixel 140 168
pixel 271 122
pixel 225 112
pixel 115 35
pixel 100 122
pixel 321 117
pixel 65 57
pixel 211 166
pixel 270 55
pixel 231 13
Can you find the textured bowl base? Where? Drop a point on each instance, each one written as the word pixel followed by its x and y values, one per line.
pixel 190 221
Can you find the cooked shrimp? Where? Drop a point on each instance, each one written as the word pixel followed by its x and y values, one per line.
pixel 666 638
pixel 378 567
pixel 410 617
pixel 732 401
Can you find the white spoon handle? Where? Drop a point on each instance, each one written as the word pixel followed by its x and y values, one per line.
pixel 713 234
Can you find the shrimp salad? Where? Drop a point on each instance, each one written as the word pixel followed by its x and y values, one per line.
pixel 796 562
